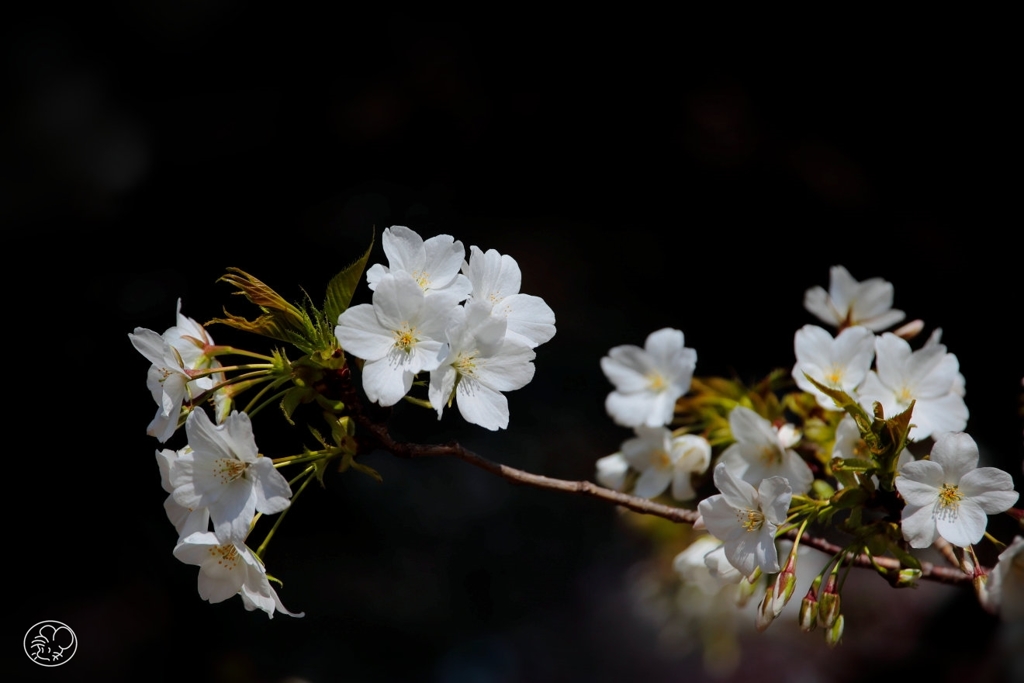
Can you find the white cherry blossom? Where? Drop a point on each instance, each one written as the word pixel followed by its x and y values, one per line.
pixel 762 450
pixel 703 564
pixel 179 350
pixel 649 380
pixel 401 334
pixel 480 363
pixel 227 475
pixel 746 519
pixel 840 363
pixel 228 569
pixel 848 302
pixel 664 460
pixel 433 264
pixel 1004 594
pixel 949 495
pixel 166 379
pixel 186 521
pixel 928 376
pixel 496 279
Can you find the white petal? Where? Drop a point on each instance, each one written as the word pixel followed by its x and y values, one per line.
pixel 611 471
pixel 957 453
pixel 775 495
pixel 918 525
pixel 990 488
pixel 404 248
pixel 481 405
pixel 361 334
pixel 965 527
pixel 652 483
pixel 816 302
pixel 919 482
pixel 385 381
pixel 272 491
pixel 737 492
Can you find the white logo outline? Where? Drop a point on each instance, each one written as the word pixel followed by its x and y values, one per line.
pixel 47 639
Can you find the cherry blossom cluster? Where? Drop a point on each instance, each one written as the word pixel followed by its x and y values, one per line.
pixel 784 459
pixel 219 477
pixel 463 322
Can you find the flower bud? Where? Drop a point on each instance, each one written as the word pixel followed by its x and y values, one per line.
pixel 784 585
pixel 809 612
pixel 765 612
pixel 745 591
pixel 908 577
pixel 834 634
pixel 828 606
pixel 910 330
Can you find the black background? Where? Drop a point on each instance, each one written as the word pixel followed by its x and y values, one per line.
pixel 641 177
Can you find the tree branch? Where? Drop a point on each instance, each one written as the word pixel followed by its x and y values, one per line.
pixel 383 440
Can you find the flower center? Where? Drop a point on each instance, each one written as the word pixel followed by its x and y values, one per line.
pixel 904 397
pixel 465 364
pixel 229 469
pixel 422 279
pixel 949 500
pixel 226 556
pixel 656 382
pixel 751 520
pixel 660 459
pixel 834 377
pixel 771 455
pixel 405 338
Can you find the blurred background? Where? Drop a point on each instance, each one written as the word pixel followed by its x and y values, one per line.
pixel 640 177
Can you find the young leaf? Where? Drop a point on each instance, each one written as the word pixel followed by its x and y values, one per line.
pixel 342 287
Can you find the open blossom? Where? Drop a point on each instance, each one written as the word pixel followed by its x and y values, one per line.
pixel 480 363
pixel 746 519
pixel 1004 594
pixel 227 475
pixel 401 334
pixel 949 495
pixel 703 564
pixel 167 381
pixel 179 350
pixel 662 459
pixel 186 521
pixel 228 569
pixel 841 363
pixel 848 302
pixel 762 451
pixel 649 380
pixel 433 264
pixel 929 376
pixel 496 279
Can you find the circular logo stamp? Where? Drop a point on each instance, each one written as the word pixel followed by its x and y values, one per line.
pixel 50 643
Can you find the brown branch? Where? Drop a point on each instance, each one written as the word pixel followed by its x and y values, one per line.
pixel 402 449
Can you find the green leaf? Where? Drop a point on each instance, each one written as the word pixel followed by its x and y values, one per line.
pixel 342 287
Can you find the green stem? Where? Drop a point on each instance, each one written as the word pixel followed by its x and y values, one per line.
pixel 273 385
pixel 308 472
pixel 196 374
pixel 230 350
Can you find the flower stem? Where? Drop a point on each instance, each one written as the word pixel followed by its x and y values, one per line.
pixel 308 473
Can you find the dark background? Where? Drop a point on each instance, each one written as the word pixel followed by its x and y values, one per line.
pixel 641 177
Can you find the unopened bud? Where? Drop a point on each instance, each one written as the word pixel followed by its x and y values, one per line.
pixel 908 577
pixel 765 612
pixel 745 592
pixel 828 606
pixel 783 586
pixel 834 634
pixel 809 612
pixel 910 330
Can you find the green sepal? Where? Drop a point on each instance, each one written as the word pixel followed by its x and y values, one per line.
pixel 293 398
